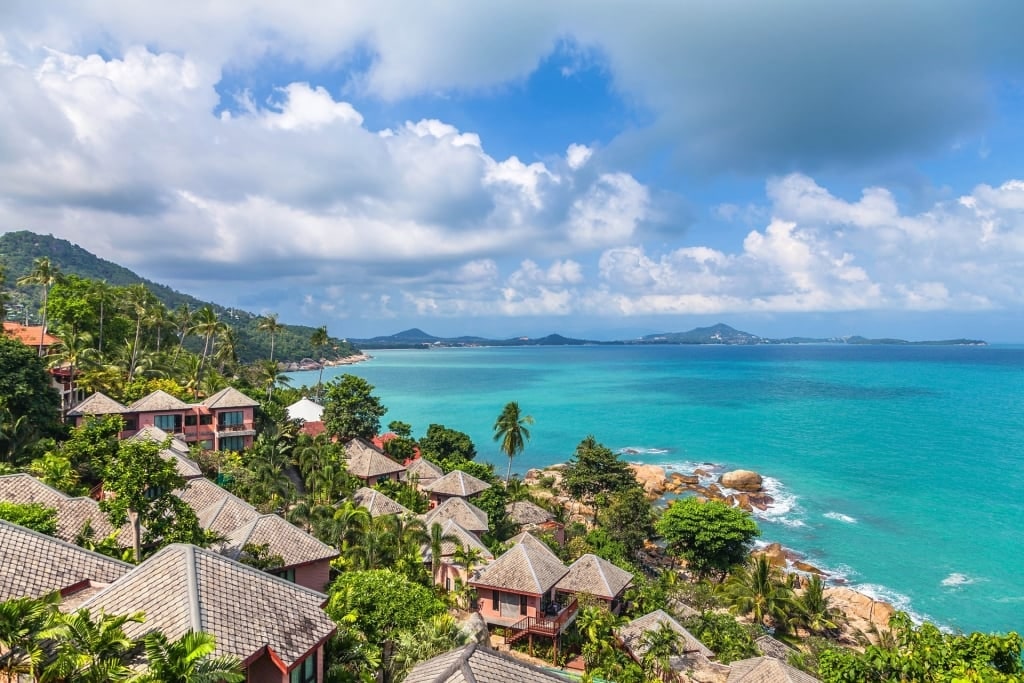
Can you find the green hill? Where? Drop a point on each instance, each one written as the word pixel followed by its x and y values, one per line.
pixel 19 249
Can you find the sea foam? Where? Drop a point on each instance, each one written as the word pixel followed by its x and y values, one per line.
pixel 957 579
pixel 840 517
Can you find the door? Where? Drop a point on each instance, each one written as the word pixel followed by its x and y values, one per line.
pixel 510 605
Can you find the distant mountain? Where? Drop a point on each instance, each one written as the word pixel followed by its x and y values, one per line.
pixel 417 338
pixel 716 334
pixel 19 249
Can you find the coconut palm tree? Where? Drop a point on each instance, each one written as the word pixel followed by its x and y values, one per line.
pixel 44 274
pixel 24 624
pixel 136 302
pixel 437 540
pixel 510 430
pixel 207 325
pixel 74 350
pixel 187 660
pixel 345 528
pixel 814 611
pixel 266 374
pixel 319 340
pixel 759 589
pixel 269 324
pixel 430 638
pixel 663 644
pixel 92 649
pixel 183 322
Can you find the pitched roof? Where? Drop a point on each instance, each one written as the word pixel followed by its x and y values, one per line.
pixel 766 670
pixel 596 576
pixel 465 538
pixel 176 451
pixel 632 634
pixel 156 401
pixel 72 513
pixel 365 461
pixel 457 483
pixel 29 334
pixel 476 663
pixel 527 512
pixel 306 410
pixel 378 503
pixel 226 515
pixel 183 587
pixel 468 516
pixel 527 567
pixel 774 648
pixel 201 494
pixel 34 564
pixel 98 404
pixel 425 471
pixel 294 545
pixel 229 397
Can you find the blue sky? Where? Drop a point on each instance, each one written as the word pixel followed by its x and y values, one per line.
pixel 590 168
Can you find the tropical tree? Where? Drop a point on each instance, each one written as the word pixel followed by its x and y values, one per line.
pixel 183 322
pixel 431 637
pixel 269 324
pixel 437 540
pixel 345 528
pixel 319 340
pixel 662 645
pixel 207 325
pixel 29 407
pixel 25 623
pixel 73 351
pixel 35 516
pixel 759 589
pixel 814 612
pixel 189 659
pixel 511 432
pixel 351 409
pixel 594 471
pixel 92 649
pixel 44 274
pixel 137 301
pixel 711 536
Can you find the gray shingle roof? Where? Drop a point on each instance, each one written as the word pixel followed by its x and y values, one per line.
pixel 365 461
pixel 527 567
pixel 632 634
pixel 226 515
pixel 176 451
pixel 424 471
pixel 98 404
pixel 282 538
pixel 34 564
pixel 72 513
pixel 771 647
pixel 466 540
pixel 468 516
pixel 457 483
pixel 157 401
pixel 377 503
pixel 478 664
pixel 183 587
pixel 229 397
pixel 201 494
pixel 527 512
pixel 766 670
pixel 596 576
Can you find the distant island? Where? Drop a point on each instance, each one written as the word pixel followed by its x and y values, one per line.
pixel 719 334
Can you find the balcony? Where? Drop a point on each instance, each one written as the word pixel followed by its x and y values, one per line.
pixel 551 625
pixel 248 429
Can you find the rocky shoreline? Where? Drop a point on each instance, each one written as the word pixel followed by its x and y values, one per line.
pixel 310 364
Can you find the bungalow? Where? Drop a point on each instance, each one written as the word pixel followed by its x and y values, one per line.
pixel 38 338
pixel 455 484
pixel 176 451
pixel 276 628
pixel 595 576
pixel 694 654
pixel 367 462
pixel 377 504
pixel 421 473
pixel 533 518
pixel 73 513
pixel 460 510
pixel 221 422
pixel 477 662
pixel 451 572
pixel 309 413
pixel 766 670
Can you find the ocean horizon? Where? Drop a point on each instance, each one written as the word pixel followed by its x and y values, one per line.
pixel 896 469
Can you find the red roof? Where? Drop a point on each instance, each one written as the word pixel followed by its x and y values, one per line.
pixel 382 439
pixel 312 428
pixel 29 335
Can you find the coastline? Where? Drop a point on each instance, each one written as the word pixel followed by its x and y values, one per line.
pixel 310 365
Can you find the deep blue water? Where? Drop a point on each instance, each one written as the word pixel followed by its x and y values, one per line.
pixel 901 468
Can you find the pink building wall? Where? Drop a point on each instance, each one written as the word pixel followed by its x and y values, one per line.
pixel 315 575
pixel 508 605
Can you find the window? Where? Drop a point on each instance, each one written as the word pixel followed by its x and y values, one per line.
pixel 131 424
pixel 287 574
pixel 230 419
pixel 168 423
pixel 305 672
pixel 206 419
pixel 522 605
pixel 190 420
pixel 494 600
pixel 447 583
pixel 232 443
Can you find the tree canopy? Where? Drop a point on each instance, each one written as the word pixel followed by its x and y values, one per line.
pixel 441 443
pixel 351 409
pixel 711 536
pixel 35 516
pixel 29 406
pixel 595 469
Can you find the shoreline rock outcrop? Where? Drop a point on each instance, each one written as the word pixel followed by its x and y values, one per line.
pixel 744 481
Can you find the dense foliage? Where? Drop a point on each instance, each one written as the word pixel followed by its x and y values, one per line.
pixel 29 407
pixel 709 535
pixel 35 516
pixel 351 409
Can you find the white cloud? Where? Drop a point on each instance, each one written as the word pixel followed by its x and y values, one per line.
pixel 309 108
pixel 610 212
pixel 577 156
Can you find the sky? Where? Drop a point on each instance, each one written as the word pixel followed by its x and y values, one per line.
pixel 597 169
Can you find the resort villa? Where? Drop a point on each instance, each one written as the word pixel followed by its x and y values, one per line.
pixel 368 463
pixel 455 484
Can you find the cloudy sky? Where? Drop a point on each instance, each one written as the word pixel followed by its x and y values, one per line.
pixel 603 169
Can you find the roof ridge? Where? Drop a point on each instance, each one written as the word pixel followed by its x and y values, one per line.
pixel 600 571
pixel 193 588
pixel 241 566
pixel 66 544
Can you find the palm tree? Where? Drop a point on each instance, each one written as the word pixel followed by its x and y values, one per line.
pixel 437 540
pixel 227 349
pixel 468 557
pixel 24 624
pixel 268 323
pixel 182 318
pixel 430 638
pixel 346 527
pixel 44 274
pixel 159 321
pixel 267 374
pixel 205 324
pixel 319 340
pixel 74 350
pixel 760 590
pixel 136 301
pixel 92 649
pixel 187 660
pixel 814 611
pixel 663 644
pixel 510 429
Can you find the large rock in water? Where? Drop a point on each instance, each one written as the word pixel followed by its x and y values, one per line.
pixel 742 480
pixel 651 477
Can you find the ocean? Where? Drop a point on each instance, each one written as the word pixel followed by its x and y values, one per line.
pixel 900 470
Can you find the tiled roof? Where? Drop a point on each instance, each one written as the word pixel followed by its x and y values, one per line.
pixel 457 483
pixel 72 513
pixel 465 539
pixel 527 567
pixel 306 410
pixel 771 647
pixel 282 538
pixel 527 512
pixel 201 494
pixel 377 503
pixel 183 587
pixel 766 670
pixel 468 516
pixel 425 471
pixel 596 576
pixel 365 461
pixel 34 564
pixel 29 335
pixel 176 451
pixel 98 404
pixel 478 664
pixel 229 397
pixel 226 515
pixel 632 634
pixel 157 401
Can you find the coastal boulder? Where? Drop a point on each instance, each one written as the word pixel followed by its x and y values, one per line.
pixel 742 480
pixel 776 555
pixel 651 477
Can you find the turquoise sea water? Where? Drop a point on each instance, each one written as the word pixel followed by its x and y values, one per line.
pixel 899 468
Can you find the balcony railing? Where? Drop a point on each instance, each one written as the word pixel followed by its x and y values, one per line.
pixel 235 428
pixel 544 626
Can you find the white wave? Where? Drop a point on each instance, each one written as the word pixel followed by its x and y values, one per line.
pixel 957 579
pixel 840 517
pixel 783 510
pixel 898 600
pixel 641 450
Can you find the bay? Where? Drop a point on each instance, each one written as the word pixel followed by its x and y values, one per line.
pixel 899 469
